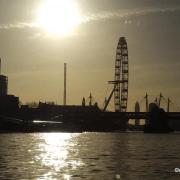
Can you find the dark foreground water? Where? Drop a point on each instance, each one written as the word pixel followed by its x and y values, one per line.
pixel 89 156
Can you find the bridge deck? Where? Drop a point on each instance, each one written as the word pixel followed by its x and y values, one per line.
pixel 144 115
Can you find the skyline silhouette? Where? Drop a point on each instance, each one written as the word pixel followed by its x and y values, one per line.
pixel 33 60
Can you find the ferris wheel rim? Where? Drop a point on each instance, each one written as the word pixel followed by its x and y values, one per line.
pixel 121 76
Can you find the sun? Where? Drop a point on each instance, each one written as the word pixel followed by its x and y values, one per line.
pixel 58 17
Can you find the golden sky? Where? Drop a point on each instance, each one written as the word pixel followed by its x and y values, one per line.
pixel 38 36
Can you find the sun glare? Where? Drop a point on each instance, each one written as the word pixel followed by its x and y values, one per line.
pixel 58 17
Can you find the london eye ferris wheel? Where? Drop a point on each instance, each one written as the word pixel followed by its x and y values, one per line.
pixel 121 78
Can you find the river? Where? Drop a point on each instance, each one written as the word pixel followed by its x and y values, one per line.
pixel 89 156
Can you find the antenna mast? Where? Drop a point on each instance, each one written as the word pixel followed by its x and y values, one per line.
pixel 0 66
pixel 65 71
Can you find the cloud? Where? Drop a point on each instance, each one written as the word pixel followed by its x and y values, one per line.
pixel 133 12
pixel 18 25
pixel 120 14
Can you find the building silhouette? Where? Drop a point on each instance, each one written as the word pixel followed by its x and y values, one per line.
pixel 137 109
pixel 3 85
pixel 9 104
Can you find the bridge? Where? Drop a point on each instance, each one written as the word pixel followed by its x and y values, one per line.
pixel 144 115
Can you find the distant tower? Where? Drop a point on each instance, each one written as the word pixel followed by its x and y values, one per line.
pixel 137 109
pixel 160 97
pixel 147 103
pixel 65 71
pixel 90 99
pixel 83 102
pixel 168 105
pixel 3 83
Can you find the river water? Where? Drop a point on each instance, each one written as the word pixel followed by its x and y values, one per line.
pixel 98 156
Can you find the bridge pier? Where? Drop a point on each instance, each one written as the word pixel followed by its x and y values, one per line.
pixel 157 121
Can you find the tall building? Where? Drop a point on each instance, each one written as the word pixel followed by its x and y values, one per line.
pixel 137 109
pixel 3 85
pixel 9 104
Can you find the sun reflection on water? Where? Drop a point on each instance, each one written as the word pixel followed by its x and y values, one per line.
pixel 57 154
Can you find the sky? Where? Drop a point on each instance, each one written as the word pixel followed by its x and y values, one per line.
pixel 33 58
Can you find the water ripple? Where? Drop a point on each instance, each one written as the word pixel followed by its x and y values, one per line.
pixel 89 156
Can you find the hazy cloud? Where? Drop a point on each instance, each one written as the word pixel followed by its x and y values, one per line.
pixel 120 14
pixel 98 16
pixel 18 25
